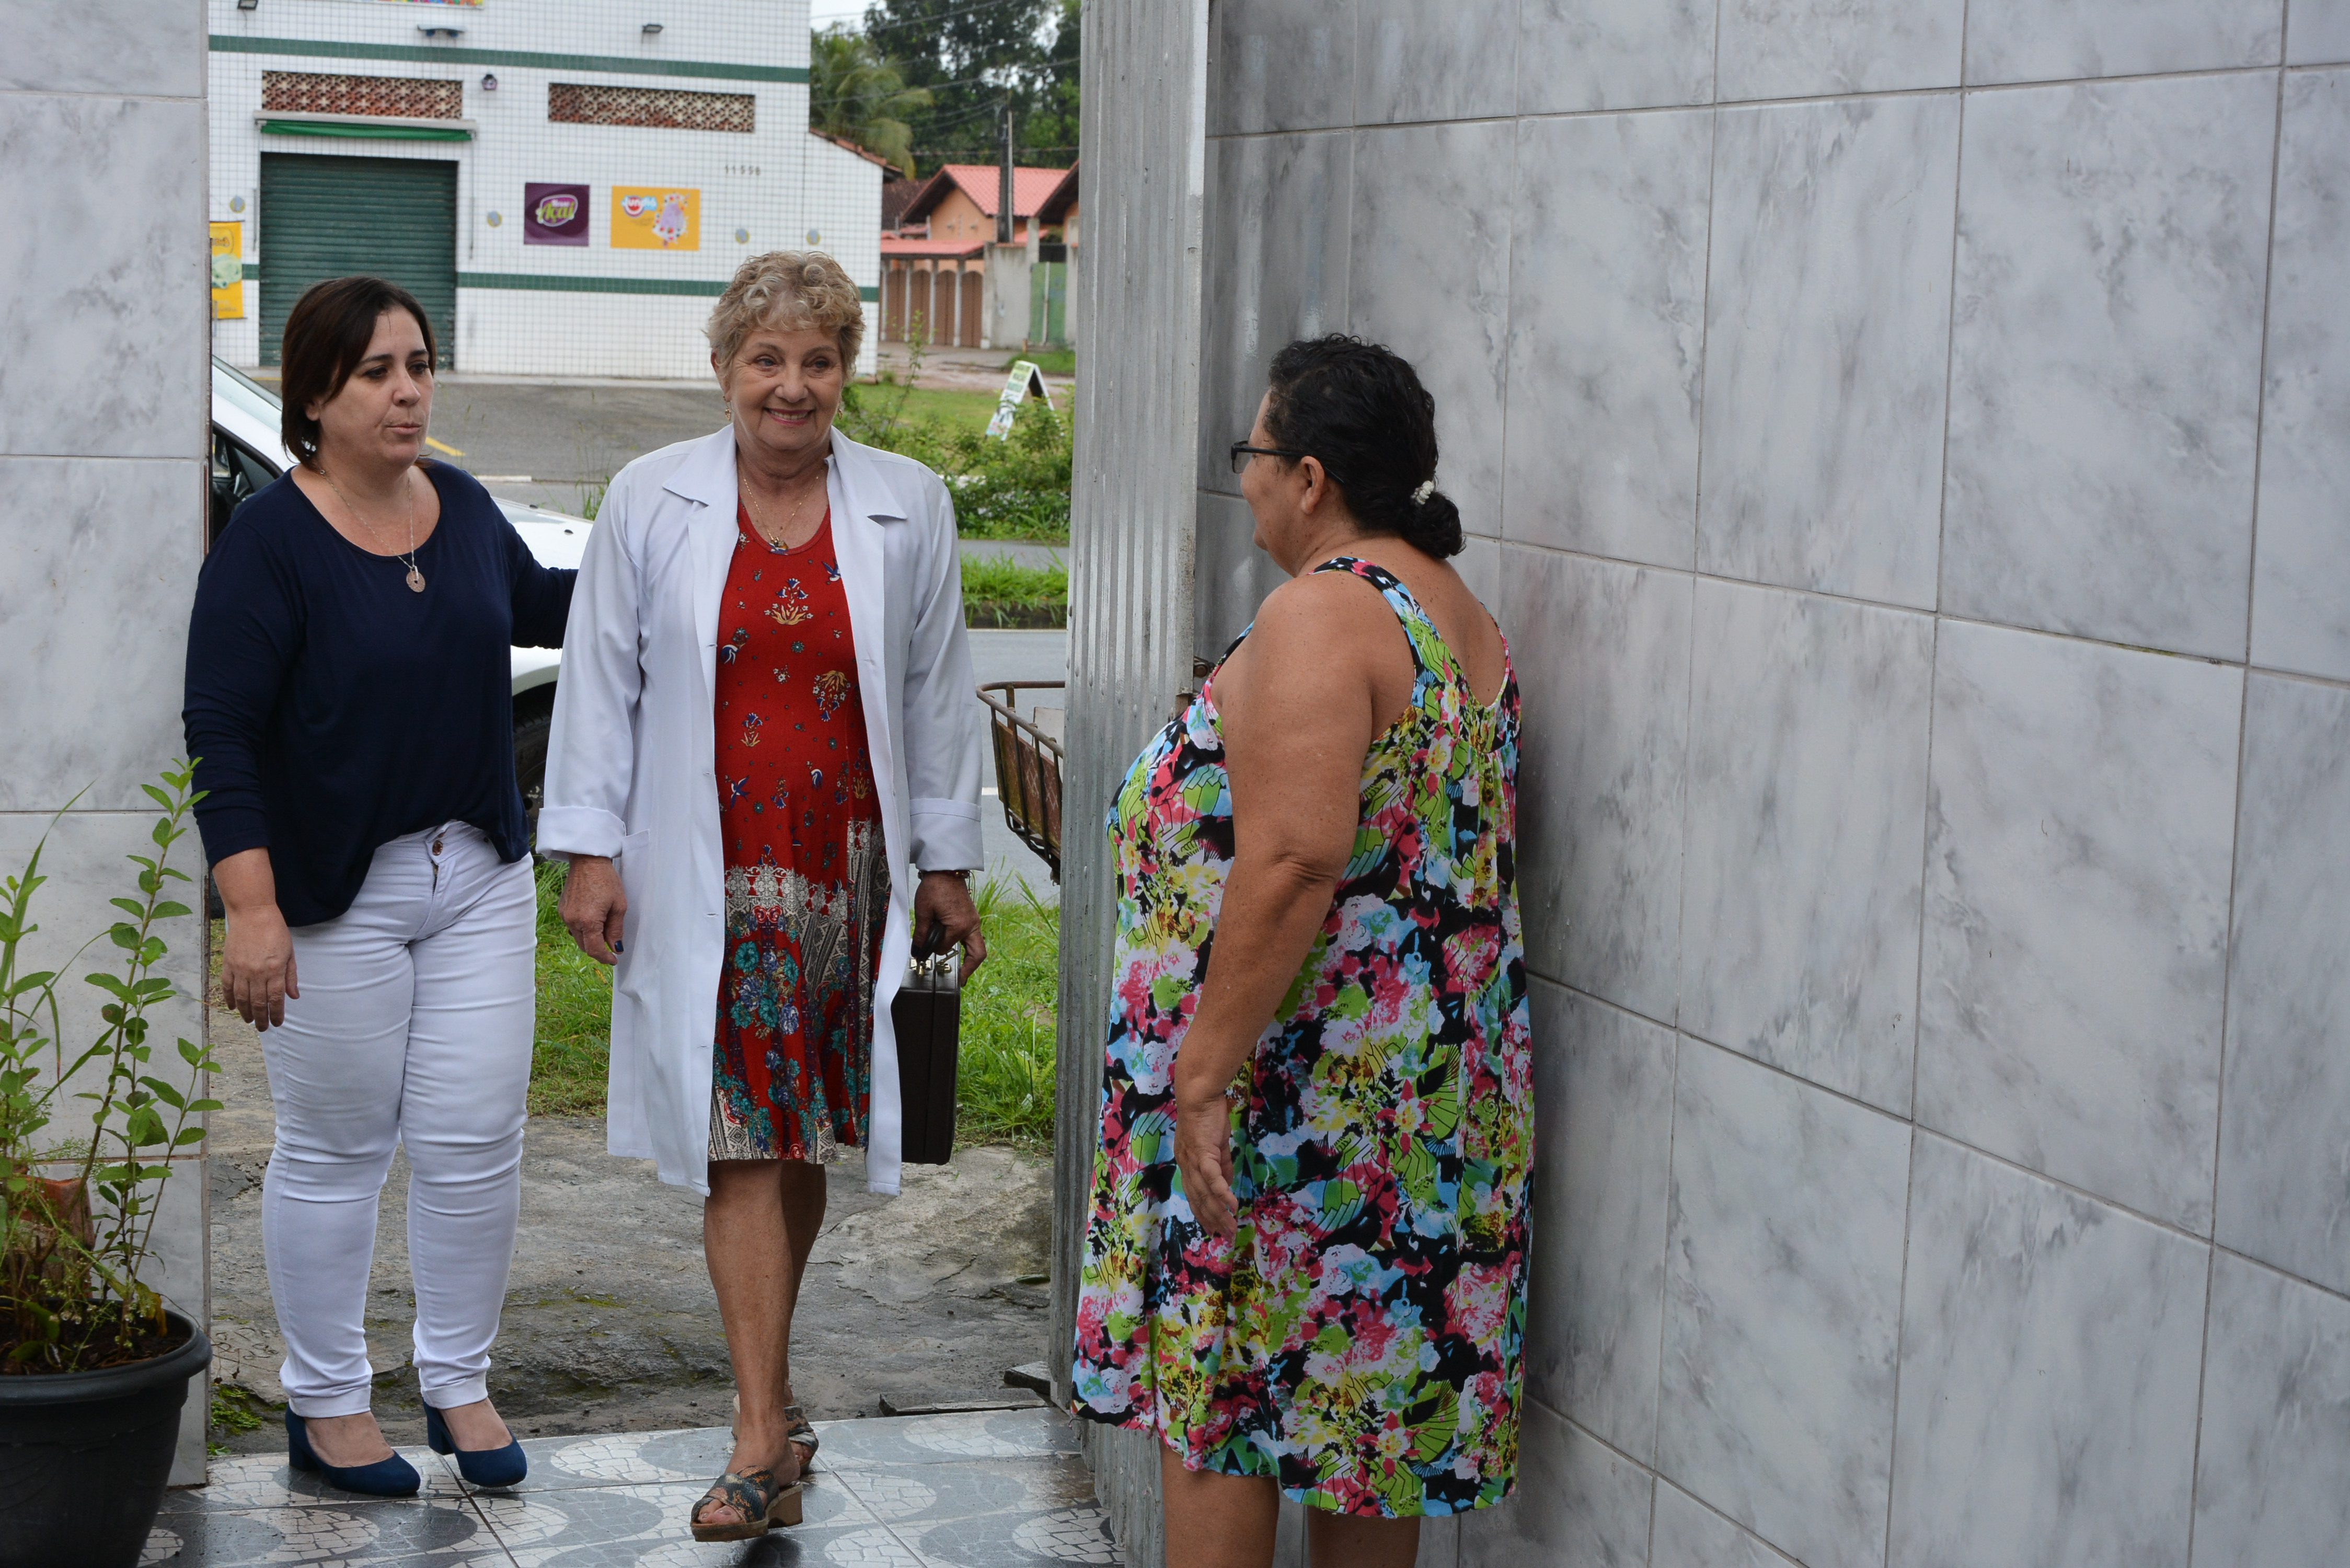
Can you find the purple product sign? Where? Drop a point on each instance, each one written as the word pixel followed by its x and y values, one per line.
pixel 554 214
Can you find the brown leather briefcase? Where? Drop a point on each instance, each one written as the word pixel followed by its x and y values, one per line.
pixel 927 1017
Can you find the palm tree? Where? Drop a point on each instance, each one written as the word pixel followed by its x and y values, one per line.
pixel 856 93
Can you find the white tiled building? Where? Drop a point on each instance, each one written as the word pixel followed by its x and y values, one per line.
pixel 564 184
pixel 1906 443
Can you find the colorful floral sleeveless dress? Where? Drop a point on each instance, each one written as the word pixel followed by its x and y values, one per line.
pixel 807 887
pixel 1360 1341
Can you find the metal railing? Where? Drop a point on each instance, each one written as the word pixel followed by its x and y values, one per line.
pixel 1027 768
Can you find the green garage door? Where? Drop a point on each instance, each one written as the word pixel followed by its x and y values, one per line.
pixel 330 217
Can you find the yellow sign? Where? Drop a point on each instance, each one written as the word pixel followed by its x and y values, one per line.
pixel 228 272
pixel 656 218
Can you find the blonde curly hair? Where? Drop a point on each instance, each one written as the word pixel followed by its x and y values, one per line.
pixel 794 290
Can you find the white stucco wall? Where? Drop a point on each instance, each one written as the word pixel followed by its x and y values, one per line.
pixel 617 312
pixel 103 398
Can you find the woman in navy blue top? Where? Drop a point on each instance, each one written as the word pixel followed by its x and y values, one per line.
pixel 348 704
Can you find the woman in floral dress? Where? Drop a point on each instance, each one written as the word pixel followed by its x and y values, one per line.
pixel 1306 1267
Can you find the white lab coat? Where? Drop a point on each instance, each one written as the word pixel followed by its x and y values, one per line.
pixel 631 764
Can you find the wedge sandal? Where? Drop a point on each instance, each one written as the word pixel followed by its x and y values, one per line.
pixel 801 1432
pixel 755 1493
pixel 799 1429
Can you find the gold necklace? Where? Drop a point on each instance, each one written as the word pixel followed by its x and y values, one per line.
pixel 415 576
pixel 774 542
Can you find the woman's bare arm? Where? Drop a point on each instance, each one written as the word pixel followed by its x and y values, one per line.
pixel 1299 703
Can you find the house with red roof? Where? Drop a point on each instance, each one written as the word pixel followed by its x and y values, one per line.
pixel 935 258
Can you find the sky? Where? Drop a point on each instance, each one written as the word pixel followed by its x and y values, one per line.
pixel 823 13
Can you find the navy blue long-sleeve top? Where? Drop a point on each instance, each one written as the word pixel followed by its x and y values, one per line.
pixel 332 710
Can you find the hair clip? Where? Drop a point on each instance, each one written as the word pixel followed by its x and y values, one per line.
pixel 1426 488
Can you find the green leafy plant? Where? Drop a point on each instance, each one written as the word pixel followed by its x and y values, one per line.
pixel 1017 488
pixel 78 1220
pixel 235 1411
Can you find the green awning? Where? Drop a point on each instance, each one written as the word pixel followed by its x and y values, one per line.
pixel 420 132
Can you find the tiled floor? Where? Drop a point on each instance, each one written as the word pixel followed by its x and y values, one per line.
pixel 999 1491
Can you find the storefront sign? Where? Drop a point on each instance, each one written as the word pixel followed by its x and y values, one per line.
pixel 656 218
pixel 554 214
pixel 228 272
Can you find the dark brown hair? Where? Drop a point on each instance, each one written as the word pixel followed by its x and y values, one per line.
pixel 326 335
pixel 1360 408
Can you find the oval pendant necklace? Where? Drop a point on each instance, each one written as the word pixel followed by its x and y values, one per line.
pixel 415 573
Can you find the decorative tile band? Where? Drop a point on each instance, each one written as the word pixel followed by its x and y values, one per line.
pixel 557 283
pixel 617 65
pixel 560 282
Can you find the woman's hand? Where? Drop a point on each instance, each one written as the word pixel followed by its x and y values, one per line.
pixel 1203 1150
pixel 257 963
pixel 257 967
pixel 945 915
pixel 593 907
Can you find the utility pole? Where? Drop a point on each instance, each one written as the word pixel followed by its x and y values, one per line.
pixel 1003 183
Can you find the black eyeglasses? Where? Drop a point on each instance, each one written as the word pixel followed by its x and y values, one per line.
pixel 1242 451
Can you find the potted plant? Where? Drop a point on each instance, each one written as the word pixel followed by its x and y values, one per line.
pixel 94 1365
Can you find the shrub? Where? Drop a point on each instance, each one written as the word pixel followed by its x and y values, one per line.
pixel 73 1243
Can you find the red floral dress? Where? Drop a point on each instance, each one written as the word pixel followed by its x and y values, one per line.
pixel 807 887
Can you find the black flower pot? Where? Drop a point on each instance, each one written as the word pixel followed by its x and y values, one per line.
pixel 84 1457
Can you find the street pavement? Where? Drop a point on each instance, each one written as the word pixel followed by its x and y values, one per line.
pixel 558 444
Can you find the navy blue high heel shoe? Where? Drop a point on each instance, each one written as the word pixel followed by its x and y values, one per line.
pixel 482 1467
pixel 394 1477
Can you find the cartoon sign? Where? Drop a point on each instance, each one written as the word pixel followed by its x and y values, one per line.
pixel 228 272
pixel 656 218
pixel 554 214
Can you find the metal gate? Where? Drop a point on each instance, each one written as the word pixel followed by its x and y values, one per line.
pixel 325 217
pixel 1048 300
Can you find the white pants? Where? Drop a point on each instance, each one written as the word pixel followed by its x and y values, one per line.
pixel 413 1027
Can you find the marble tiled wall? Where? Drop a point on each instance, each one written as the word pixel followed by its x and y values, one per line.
pixel 104 318
pixel 1907 443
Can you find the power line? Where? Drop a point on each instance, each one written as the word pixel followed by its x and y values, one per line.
pixel 1050 8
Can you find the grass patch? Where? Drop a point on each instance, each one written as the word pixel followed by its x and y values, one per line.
pixel 1004 1078
pixel 999 591
pixel 953 410
pixel 568 1059
pixel 1006 1070
pixel 1052 361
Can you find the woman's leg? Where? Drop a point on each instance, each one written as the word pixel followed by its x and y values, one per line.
pixel 753 1267
pixel 1217 1520
pixel 335 1069
pixel 461 1111
pixel 803 1195
pixel 1343 1541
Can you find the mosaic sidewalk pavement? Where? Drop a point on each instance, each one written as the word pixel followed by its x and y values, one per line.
pixel 995 1490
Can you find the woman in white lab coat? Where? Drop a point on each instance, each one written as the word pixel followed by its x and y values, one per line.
pixel 765 771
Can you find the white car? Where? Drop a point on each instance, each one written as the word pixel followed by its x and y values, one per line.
pixel 248 452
